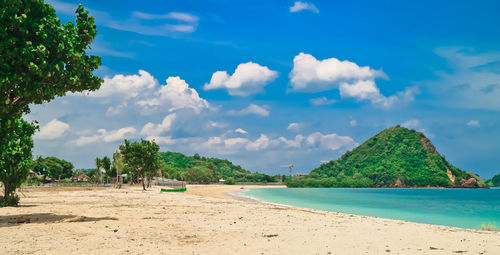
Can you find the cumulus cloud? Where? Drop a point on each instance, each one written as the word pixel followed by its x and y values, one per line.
pixel 296 143
pixel 52 130
pixel 353 81
pixel 322 101
pixel 252 109
pixel 151 129
pixel 473 123
pixel 260 143
pixel 146 93
pixel 248 78
pixel 125 86
pixel 303 6
pixel 105 136
pixel 312 75
pixel 176 94
pixel 241 131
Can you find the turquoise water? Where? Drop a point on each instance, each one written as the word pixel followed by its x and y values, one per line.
pixel 464 208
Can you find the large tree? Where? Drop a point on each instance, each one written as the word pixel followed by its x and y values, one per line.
pixel 53 167
pixel 141 158
pixel 40 58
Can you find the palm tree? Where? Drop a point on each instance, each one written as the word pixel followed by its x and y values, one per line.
pixel 118 164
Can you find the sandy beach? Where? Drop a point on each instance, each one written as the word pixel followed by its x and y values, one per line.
pixel 208 220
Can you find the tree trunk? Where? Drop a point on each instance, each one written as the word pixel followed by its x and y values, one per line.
pixel 8 193
pixel 143 185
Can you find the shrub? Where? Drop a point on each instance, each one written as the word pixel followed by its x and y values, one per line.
pixel 229 181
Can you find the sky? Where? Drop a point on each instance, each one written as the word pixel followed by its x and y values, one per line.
pixel 268 83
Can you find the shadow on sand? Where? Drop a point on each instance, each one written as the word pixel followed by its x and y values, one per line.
pixel 15 220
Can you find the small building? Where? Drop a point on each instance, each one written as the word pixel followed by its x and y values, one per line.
pixel 221 181
pixel 82 178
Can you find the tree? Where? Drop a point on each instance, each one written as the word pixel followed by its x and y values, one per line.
pixel 118 165
pixel 99 166
pixel 40 58
pixel 142 158
pixel 106 166
pixel 15 160
pixel 53 167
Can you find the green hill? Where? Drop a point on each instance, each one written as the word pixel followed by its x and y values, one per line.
pixel 494 181
pixel 395 157
pixel 205 170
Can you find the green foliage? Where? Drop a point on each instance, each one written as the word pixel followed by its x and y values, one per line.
pixel 395 157
pixel 15 160
pixel 40 58
pixel 494 181
pixel 201 174
pixel 141 158
pixel 118 164
pixel 230 181
pixel 53 167
pixel 103 164
pixel 181 167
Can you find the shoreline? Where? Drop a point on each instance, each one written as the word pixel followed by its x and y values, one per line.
pixel 238 195
pixel 204 220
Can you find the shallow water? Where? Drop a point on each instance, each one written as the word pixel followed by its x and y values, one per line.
pixel 465 208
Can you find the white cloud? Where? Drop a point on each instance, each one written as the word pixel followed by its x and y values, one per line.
pixel 312 75
pixel 293 126
pixel 151 129
pixel 235 143
pixel 145 92
pixel 296 143
pixel 175 95
pixel 125 86
pixel 103 135
pixel 322 101
pixel 473 123
pixel 358 82
pixel 116 110
pixel 251 109
pixel 303 6
pixel 241 131
pixel 248 78
pixel 52 130
pixel 261 143
pixel 329 141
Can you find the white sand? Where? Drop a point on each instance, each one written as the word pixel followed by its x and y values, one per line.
pixel 206 221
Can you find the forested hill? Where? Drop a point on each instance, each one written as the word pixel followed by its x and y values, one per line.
pixel 204 170
pixel 494 181
pixel 395 157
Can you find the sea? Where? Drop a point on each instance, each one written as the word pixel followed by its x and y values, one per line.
pixel 463 208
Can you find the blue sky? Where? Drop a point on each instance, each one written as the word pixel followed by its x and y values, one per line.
pixel 265 83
